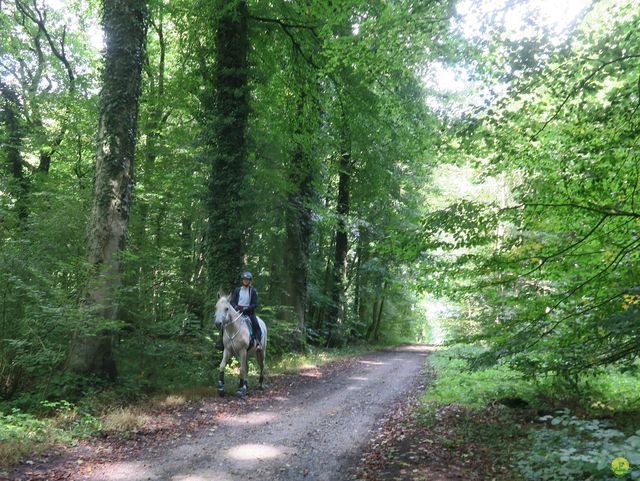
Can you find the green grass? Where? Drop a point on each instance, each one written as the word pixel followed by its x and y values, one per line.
pixel 603 394
pixel 22 433
pixel 314 357
pixel 456 384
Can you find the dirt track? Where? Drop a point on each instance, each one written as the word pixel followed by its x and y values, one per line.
pixel 314 431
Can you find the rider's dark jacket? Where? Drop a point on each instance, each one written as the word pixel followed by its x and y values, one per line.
pixel 251 308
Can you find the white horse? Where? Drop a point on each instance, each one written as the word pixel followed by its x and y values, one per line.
pixel 236 339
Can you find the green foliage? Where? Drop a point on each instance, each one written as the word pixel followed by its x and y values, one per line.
pixel 571 448
pixel 457 383
pixel 539 248
pixel 565 447
pixel 22 433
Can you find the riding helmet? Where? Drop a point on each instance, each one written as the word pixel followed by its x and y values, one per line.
pixel 247 275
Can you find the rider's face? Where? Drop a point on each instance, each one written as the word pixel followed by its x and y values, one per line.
pixel 246 282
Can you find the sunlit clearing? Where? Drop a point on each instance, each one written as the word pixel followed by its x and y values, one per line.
pixel 252 419
pixel 436 310
pixel 373 363
pixel 356 378
pixel 251 452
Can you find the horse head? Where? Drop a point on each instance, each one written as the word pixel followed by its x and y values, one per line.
pixel 223 312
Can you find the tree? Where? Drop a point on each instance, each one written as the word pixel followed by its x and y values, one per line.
pixel 226 109
pixel 10 117
pixel 555 257
pixel 125 32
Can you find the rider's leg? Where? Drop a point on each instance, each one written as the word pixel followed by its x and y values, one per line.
pixel 257 332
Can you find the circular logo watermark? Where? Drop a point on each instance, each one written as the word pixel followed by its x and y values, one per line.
pixel 620 467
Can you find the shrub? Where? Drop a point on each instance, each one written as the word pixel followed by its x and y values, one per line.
pixel 571 448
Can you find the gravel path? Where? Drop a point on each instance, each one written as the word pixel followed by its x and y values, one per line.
pixel 315 433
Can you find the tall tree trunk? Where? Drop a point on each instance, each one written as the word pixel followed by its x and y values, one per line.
pixel 373 331
pixel 299 225
pixel 125 32
pixel 11 145
pixel 376 330
pixel 227 112
pixel 341 243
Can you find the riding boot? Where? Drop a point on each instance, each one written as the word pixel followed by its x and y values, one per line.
pixel 257 332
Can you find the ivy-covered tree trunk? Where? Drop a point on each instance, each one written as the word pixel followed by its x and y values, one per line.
pixel 125 33
pixel 226 111
pixel 10 118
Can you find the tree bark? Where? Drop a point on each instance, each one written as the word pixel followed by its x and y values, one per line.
pixel 373 331
pixel 11 145
pixel 341 245
pixel 299 226
pixel 125 31
pixel 226 112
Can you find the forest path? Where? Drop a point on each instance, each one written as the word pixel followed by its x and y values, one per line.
pixel 315 430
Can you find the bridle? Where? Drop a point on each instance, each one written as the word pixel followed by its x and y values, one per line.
pixel 227 322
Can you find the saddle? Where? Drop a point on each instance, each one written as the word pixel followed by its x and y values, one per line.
pixel 252 337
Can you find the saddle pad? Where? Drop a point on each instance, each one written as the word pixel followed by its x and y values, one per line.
pixel 247 320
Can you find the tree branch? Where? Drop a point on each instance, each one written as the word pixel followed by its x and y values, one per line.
pixel 575 89
pixel 609 211
pixel 284 24
pixel 39 18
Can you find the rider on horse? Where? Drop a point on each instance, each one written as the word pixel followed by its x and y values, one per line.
pixel 245 300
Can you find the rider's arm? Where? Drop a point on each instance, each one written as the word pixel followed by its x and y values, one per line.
pixel 235 297
pixel 254 299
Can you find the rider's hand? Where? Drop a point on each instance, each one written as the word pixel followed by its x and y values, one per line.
pixel 240 309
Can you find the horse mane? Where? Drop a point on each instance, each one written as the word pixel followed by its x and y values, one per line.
pixel 224 298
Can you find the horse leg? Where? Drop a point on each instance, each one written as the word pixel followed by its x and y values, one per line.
pixel 260 359
pixel 242 388
pixel 223 364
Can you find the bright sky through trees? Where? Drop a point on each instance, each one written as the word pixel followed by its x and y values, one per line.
pixel 520 20
pixel 93 30
pixel 516 22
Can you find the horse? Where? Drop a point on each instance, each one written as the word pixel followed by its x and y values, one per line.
pixel 236 339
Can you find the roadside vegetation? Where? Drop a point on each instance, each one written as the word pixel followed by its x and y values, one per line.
pixel 541 428
pixel 118 411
